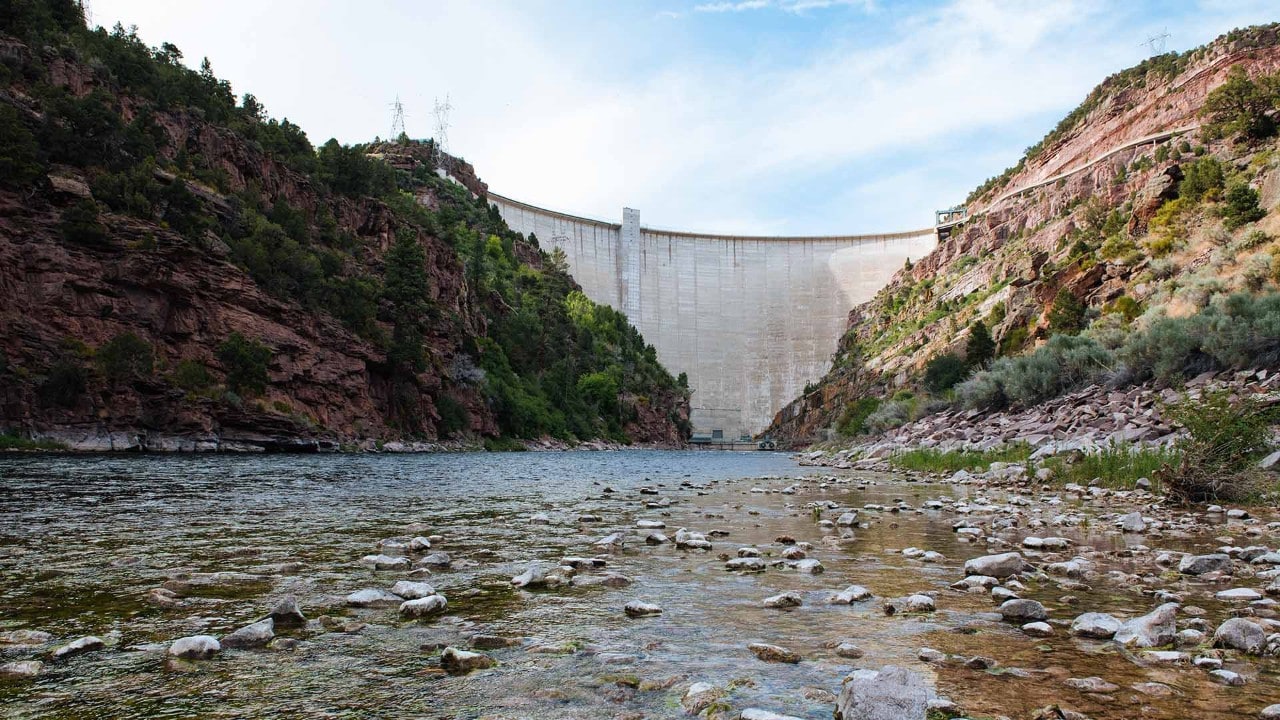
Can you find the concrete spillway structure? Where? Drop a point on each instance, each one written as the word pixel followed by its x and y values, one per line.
pixel 751 320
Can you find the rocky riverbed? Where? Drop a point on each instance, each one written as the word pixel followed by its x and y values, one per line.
pixel 619 585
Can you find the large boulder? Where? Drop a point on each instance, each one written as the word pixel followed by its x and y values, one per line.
pixel 890 693
pixel 422 607
pixel 998 566
pixel 286 613
pixel 461 662
pixel 1240 634
pixel 196 647
pixel 1154 629
pixel 1202 564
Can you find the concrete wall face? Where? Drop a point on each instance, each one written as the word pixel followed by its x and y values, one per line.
pixel 751 320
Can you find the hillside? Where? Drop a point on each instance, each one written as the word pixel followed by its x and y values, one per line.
pixel 1096 259
pixel 178 270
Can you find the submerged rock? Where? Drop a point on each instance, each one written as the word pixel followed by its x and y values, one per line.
pixel 911 604
pixel 372 597
pixel 1202 564
pixel 784 600
pixel 460 662
pixel 286 613
pixel 850 595
pixel 639 608
pixel 78 647
pixel 385 562
pixel 774 653
pixel 890 693
pixel 196 647
pixel 22 669
pixel 251 636
pixel 699 696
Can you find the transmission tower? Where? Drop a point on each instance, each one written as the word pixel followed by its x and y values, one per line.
pixel 1156 43
pixel 87 12
pixel 442 133
pixel 397 120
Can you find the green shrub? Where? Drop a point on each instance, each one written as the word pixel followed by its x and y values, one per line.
pixel 1240 206
pixel 19 153
pixel 64 384
pixel 1202 179
pixel 889 415
pixel 943 372
pixel 125 358
pixel 1125 307
pixel 1219 453
pixel 1241 107
pixel 80 224
pixel 454 417
pixel 245 363
pixel 192 376
pixel 1063 363
pixel 853 421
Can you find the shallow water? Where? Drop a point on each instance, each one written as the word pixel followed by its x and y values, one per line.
pixel 82 539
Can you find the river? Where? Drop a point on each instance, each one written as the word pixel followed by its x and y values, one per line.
pixel 84 539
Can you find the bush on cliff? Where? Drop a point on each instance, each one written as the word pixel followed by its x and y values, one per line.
pixel 245 363
pixel 125 358
pixel 1242 107
pixel 1240 206
pixel 943 373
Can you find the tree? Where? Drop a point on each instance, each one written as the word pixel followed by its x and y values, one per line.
pixel 245 362
pixel 1067 315
pixel 126 357
pixel 944 372
pixel 19 153
pixel 406 292
pixel 980 348
pixel 1203 178
pixel 1240 206
pixel 80 223
pixel 1241 107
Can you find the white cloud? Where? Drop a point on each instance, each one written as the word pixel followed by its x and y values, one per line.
pixel 790 6
pixel 589 112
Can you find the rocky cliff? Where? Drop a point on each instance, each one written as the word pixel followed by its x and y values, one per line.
pixel 178 271
pixel 1075 214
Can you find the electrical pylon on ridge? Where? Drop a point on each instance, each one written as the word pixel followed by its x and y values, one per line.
pixel 1156 43
pixel 441 140
pixel 397 121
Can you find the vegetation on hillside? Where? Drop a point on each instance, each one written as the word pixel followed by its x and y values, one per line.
pixel 551 362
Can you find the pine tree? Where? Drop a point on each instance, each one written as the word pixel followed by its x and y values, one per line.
pixel 406 291
pixel 980 348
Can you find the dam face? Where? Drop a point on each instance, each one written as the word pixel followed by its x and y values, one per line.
pixel 751 320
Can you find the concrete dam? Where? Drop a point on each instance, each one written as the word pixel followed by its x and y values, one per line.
pixel 750 319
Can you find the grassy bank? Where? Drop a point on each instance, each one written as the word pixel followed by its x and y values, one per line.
pixel 11 443
pixel 1116 466
pixel 950 461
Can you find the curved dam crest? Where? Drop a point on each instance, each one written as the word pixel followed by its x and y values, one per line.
pixel 750 319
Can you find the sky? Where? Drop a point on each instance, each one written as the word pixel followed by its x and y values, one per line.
pixel 767 117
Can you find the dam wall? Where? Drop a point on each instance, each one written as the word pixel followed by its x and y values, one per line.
pixel 751 319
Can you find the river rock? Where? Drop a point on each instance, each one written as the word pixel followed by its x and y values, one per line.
pixel 25 637
pixel 809 567
pixel 1133 523
pixel 421 607
pixel 286 613
pixel 784 600
pixel 688 540
pixel 639 608
pixel 1038 629
pixel 437 560
pixel 251 636
pixel 758 714
pixel 650 524
pixel 373 597
pixel 911 604
pixel 410 590
pixel 1240 634
pixel 848 519
pixel 461 662
pixel 537 577
pixel 1023 611
pixel 419 544
pixel 774 653
pixel 890 693
pixel 1238 595
pixel 1270 712
pixel 1091 685
pixel 1100 626
pixel 1154 629
pixel 699 696
pixel 1201 564
pixel 385 562
pixel 746 564
pixel 849 651
pixel 998 566
pixel 196 647
pixel 22 669
pixel 850 595
pixel 77 647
